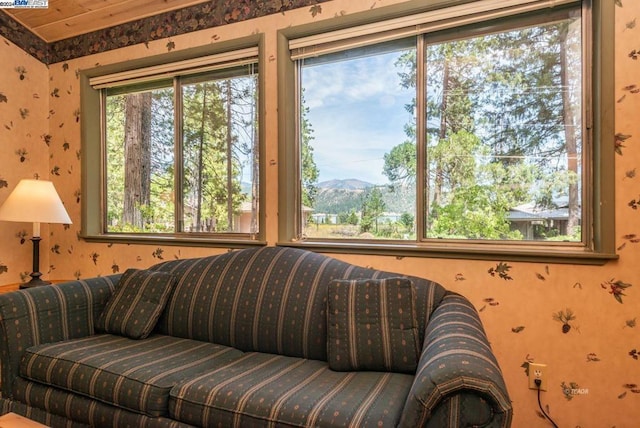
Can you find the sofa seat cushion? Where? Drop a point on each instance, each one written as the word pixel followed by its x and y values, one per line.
pixel 260 389
pixel 35 398
pixel 132 374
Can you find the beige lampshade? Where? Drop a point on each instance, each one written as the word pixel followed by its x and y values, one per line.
pixel 34 201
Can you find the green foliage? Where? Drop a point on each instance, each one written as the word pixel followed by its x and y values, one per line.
pixel 158 214
pixel 497 112
pixel 400 163
pixel 407 220
pixel 372 207
pixel 308 167
pixel 348 218
pixel 219 140
pixel 472 213
pixel 502 120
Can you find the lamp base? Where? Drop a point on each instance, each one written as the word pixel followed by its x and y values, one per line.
pixel 35 282
pixel 36 274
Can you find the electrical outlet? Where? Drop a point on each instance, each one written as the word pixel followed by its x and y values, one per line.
pixel 538 371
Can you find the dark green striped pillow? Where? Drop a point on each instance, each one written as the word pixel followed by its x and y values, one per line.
pixel 372 325
pixel 136 304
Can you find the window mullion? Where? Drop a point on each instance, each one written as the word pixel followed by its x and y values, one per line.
pixel 299 214
pixel 178 156
pixel 588 150
pixel 422 201
pixel 103 161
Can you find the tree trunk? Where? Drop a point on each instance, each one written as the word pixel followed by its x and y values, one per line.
pixel 570 133
pixel 255 168
pixel 137 149
pixel 437 188
pixel 230 194
pixel 199 183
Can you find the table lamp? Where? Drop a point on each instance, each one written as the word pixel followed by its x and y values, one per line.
pixel 34 201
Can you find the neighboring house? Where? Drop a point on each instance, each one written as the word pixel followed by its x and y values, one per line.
pixel 324 218
pixel 242 219
pixel 526 217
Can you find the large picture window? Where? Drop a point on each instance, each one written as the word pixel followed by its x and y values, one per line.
pixel 471 129
pixel 180 151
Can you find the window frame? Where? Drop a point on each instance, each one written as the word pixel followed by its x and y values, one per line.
pixel 93 191
pixel 598 31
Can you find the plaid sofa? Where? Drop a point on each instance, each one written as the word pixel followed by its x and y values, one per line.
pixel 273 336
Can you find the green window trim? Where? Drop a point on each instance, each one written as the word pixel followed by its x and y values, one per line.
pixel 93 228
pixel 601 245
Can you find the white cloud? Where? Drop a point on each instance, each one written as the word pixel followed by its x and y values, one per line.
pixel 357 112
pixel 351 81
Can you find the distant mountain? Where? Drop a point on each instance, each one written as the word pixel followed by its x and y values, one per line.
pixel 344 196
pixel 347 184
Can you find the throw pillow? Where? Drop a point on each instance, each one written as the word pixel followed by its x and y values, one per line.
pixel 372 325
pixel 136 304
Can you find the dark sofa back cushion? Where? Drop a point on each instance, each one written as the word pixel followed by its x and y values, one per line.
pixel 270 299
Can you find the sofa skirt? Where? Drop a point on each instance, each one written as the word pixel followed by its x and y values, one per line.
pixel 77 411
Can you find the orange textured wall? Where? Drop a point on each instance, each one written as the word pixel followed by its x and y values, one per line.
pixel 595 356
pixel 24 151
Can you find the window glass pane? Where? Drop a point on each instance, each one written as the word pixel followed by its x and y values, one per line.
pixel 220 165
pixel 217 166
pixel 357 143
pixel 140 161
pixel 504 135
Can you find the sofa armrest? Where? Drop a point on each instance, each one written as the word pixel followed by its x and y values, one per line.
pixel 47 314
pixel 458 381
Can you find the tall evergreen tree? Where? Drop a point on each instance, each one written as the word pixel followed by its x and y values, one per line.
pixel 513 91
pixel 308 169
pixel 137 154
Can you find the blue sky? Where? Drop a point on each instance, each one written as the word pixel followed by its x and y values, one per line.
pixel 357 113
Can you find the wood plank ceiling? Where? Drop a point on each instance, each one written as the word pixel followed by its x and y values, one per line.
pixel 69 18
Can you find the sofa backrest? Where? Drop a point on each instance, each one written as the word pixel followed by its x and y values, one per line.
pixel 269 299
